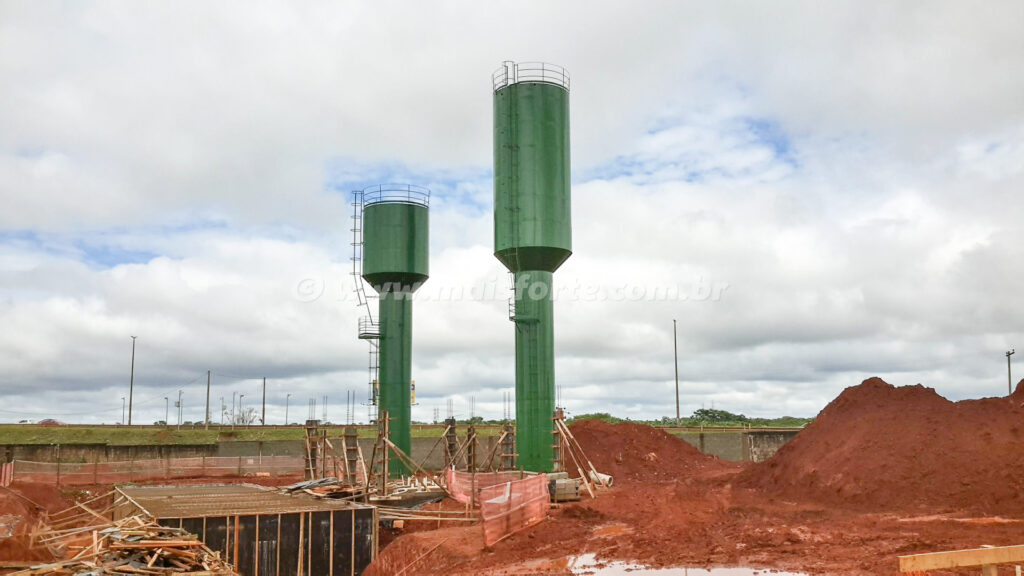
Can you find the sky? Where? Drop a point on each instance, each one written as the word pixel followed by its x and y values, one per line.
pixel 816 192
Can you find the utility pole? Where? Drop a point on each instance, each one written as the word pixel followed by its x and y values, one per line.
pixel 241 410
pixel 131 384
pixel 233 397
pixel 122 410
pixel 1009 379
pixel 263 418
pixel 223 409
pixel 207 399
pixel 179 409
pixel 167 411
pixel 675 353
pixel 286 409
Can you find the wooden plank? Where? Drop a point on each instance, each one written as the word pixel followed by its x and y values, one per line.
pixel 960 558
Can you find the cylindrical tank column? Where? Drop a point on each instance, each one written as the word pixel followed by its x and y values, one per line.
pixel 395 263
pixel 532 233
pixel 535 368
pixel 395 367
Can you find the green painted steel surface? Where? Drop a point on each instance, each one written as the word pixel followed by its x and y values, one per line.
pixel 535 369
pixel 395 371
pixel 396 241
pixel 395 263
pixel 532 238
pixel 532 229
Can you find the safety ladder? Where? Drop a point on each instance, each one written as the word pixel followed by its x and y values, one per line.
pixel 369 329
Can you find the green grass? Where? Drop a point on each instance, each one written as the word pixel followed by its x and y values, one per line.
pixel 113 435
pixel 160 435
pixel 706 418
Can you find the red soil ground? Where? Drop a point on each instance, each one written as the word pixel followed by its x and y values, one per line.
pixel 878 447
pixel 830 502
pixel 28 501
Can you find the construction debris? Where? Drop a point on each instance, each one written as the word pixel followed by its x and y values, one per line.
pixel 133 545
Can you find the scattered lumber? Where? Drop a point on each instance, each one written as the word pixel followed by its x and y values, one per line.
pixel 133 545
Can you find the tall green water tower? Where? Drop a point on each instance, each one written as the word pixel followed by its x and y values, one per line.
pixel 532 233
pixel 395 246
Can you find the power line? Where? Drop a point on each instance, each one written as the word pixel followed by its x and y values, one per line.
pixel 235 377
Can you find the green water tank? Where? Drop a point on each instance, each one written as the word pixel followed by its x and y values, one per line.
pixel 396 239
pixel 532 234
pixel 532 224
pixel 396 243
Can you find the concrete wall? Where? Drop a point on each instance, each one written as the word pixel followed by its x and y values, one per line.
pixel 735 445
pixel 738 445
pixel 101 452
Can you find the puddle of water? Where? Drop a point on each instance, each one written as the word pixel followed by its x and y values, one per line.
pixel 587 564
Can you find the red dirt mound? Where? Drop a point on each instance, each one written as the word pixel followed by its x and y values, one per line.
pixel 637 453
pixel 877 446
pixel 20 507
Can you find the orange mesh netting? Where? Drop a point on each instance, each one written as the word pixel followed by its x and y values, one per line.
pixel 510 507
pixel 462 485
pixel 136 470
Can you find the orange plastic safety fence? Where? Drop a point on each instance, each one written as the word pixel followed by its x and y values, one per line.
pixel 462 485
pixel 510 507
pixel 155 469
pixel 6 473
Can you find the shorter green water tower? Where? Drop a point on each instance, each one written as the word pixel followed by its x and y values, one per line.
pixel 396 242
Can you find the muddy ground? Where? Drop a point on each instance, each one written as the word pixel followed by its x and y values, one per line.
pixel 882 472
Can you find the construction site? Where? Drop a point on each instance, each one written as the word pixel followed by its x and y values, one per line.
pixel 884 480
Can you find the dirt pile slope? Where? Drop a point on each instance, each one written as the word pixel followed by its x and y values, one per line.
pixel 877 446
pixel 20 508
pixel 636 453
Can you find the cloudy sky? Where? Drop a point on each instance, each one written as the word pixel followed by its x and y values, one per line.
pixel 817 192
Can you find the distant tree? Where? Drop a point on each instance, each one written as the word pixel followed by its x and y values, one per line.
pixel 712 416
pixel 160 423
pixel 246 416
pixel 596 416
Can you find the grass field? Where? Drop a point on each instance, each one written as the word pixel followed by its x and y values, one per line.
pixel 187 435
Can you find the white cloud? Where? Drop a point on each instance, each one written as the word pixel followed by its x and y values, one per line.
pixel 845 174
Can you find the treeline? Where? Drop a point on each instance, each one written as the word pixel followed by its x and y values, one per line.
pixel 706 417
pixel 701 417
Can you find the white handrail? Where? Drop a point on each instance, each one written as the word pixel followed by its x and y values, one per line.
pixel 515 72
pixel 396 193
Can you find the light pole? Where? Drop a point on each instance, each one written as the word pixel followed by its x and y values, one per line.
pixel 1009 379
pixel 675 353
pixel 286 409
pixel 122 410
pixel 167 411
pixel 131 384
pixel 241 413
